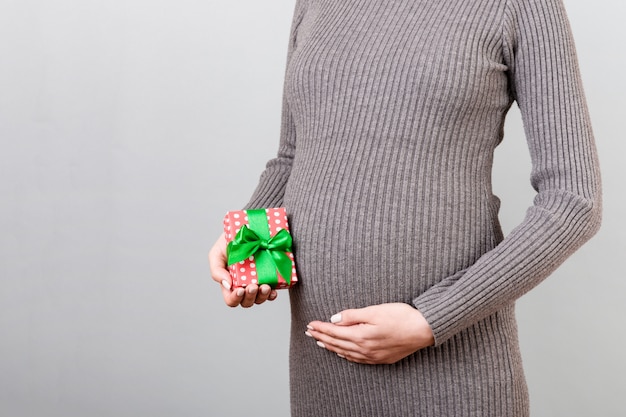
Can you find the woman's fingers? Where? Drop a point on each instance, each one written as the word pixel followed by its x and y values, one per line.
pixel 332 343
pixel 263 294
pixel 233 297
pixel 344 349
pixel 354 333
pixel 249 298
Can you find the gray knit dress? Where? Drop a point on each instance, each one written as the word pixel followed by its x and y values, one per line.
pixel 391 113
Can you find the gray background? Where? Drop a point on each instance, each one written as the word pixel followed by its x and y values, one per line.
pixel 120 122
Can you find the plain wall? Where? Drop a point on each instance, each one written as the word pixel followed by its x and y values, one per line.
pixel 129 127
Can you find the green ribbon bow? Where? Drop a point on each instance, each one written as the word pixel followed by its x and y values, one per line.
pixel 269 252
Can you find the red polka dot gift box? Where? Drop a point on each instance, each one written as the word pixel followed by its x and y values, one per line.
pixel 259 248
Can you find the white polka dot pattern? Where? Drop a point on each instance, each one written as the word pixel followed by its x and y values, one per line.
pixel 242 271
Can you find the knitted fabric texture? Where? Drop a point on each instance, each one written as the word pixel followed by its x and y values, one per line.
pixel 392 110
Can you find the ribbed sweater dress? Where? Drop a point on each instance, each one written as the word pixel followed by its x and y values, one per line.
pixel 391 113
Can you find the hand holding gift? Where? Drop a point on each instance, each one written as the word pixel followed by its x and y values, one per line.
pixel 258 278
pixel 259 248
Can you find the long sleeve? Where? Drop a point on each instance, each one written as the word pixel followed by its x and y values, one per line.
pixel 545 81
pixel 271 187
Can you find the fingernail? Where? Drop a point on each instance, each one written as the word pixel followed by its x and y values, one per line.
pixel 226 284
pixel 265 290
pixel 320 344
pixel 308 334
pixel 240 292
pixel 341 356
pixel 336 318
pixel 252 290
pixel 308 326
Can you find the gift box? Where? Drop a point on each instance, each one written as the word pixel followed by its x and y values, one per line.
pixel 259 248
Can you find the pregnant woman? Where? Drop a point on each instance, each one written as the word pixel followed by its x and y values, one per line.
pixel 392 110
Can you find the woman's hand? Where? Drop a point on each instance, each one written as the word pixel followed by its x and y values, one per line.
pixel 378 334
pixel 253 294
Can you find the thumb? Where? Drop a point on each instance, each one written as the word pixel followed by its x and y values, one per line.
pixel 217 262
pixel 351 317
